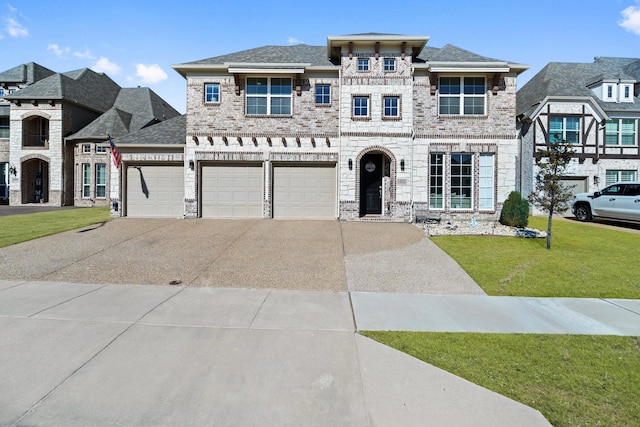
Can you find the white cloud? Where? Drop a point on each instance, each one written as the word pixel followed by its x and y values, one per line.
pixel 57 50
pixel 15 29
pixel 103 65
pixel 631 19
pixel 293 40
pixel 150 74
pixel 84 55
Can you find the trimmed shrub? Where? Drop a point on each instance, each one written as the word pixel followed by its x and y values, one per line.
pixel 515 211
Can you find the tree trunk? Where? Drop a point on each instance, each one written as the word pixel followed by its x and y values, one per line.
pixel 549 229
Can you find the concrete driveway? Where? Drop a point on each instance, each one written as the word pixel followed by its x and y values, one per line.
pixel 254 254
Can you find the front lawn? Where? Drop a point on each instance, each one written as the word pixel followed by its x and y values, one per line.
pixel 584 261
pixel 20 228
pixel 573 380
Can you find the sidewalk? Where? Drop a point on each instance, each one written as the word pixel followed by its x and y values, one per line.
pixel 85 354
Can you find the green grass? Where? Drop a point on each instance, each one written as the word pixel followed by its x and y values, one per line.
pixel 584 261
pixel 20 228
pixel 573 380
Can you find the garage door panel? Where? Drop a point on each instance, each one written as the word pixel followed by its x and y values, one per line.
pixel 155 191
pixel 231 191
pixel 302 191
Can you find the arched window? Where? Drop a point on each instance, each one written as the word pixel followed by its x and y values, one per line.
pixel 35 132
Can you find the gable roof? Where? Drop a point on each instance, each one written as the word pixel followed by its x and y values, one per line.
pixel 565 80
pixel 133 109
pixel 25 74
pixel 84 87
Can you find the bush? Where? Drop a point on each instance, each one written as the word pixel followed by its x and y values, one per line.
pixel 515 211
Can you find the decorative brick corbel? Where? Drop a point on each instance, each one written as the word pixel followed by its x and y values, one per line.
pixel 433 78
pixel 350 50
pixel 403 47
pixel 298 86
pixel 496 83
pixel 236 79
pixel 377 50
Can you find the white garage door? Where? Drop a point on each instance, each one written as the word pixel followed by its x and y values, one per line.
pixel 155 191
pixel 231 191
pixel 304 192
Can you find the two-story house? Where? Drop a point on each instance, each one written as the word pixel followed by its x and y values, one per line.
pixel 371 126
pixel 57 124
pixel 10 81
pixel 594 107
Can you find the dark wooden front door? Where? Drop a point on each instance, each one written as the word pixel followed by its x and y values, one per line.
pixel 371 184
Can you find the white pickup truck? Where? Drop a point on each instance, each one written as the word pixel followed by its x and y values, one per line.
pixel 619 201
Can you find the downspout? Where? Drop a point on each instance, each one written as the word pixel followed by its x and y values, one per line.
pixel 339 183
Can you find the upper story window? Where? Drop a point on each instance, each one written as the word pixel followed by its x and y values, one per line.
pixel 35 132
pixel 627 92
pixel 101 150
pixel 564 129
pixel 609 91
pixel 621 132
pixel 462 95
pixel 212 93
pixel 323 94
pixel 4 127
pixel 360 106
pixel 389 64
pixel 391 106
pixel 363 64
pixel 86 148
pixel 1 93
pixel 268 96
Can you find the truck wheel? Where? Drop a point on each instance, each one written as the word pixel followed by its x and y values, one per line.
pixel 583 212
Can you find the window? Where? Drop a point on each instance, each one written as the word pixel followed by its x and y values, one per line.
pixel 627 92
pixel 101 150
pixel 268 96
pixel 86 148
pixel 609 91
pixel 363 64
pixel 4 180
pixel 564 129
pixel 323 94
pixel 461 181
pixel 391 106
pixel 101 180
pixel 462 95
pixel 436 181
pixel 212 93
pixel 361 106
pixel 485 182
pixel 35 132
pixel 86 180
pixel 1 93
pixel 620 132
pixel 614 176
pixel 389 64
pixel 4 127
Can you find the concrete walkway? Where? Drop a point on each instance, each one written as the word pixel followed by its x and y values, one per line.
pixel 84 354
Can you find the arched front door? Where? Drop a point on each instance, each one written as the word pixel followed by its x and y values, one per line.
pixel 373 167
pixel 35 181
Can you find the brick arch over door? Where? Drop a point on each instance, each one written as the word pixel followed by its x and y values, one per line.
pixel 376 149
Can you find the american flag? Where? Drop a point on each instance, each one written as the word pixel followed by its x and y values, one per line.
pixel 115 154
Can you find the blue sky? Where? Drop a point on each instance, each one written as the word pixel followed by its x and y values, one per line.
pixel 136 43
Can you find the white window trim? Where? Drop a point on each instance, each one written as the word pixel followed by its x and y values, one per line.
pixel 564 129
pixel 443 166
pixel 86 180
pixel 489 177
pixel 462 95
pixel 472 175
pixel 97 185
pixel 398 107
pixel 315 94
pixel 212 84
pixel 269 96
pixel 364 68
pixel 619 133
pixel 384 65
pixel 353 106
pixel 86 148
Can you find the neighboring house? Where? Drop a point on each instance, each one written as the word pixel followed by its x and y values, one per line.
pixel 593 106
pixel 371 126
pixel 10 81
pixel 55 123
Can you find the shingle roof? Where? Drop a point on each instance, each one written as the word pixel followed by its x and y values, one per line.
pixel 25 74
pixel 451 53
pixel 170 132
pixel 302 54
pixel 95 91
pixel 564 79
pixel 134 109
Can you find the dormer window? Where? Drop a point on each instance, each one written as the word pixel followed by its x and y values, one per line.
pixel 627 92
pixel 609 91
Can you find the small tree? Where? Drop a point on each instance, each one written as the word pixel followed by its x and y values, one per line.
pixel 515 211
pixel 549 193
